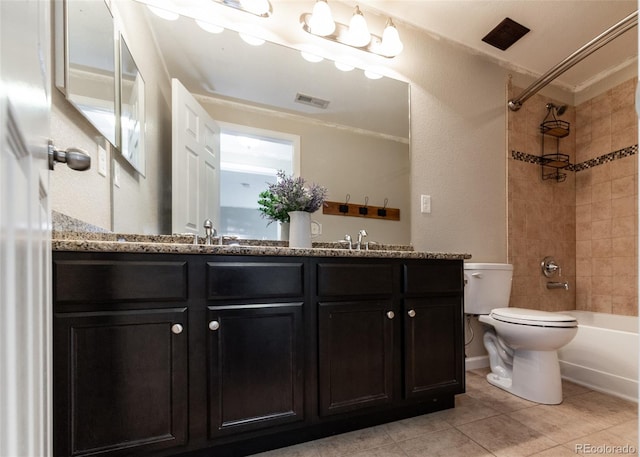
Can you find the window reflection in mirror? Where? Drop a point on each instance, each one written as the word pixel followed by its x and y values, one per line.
pixel 248 164
pixel 131 110
pixel 90 80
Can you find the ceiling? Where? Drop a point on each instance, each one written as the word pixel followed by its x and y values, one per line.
pixel 558 28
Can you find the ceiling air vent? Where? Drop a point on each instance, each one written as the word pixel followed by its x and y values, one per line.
pixel 505 34
pixel 312 101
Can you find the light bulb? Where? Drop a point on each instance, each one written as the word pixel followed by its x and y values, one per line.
pixel 391 44
pixel 359 35
pixel 321 22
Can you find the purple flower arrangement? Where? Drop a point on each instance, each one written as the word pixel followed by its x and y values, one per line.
pixel 290 194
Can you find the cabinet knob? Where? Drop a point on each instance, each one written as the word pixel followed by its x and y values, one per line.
pixel 411 313
pixel 177 329
pixel 214 325
pixel 391 314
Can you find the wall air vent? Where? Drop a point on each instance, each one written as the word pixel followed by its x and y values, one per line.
pixel 312 101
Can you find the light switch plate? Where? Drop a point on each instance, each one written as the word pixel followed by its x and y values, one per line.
pixel 102 161
pixel 425 204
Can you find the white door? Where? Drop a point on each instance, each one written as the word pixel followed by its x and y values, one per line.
pixel 25 229
pixel 195 178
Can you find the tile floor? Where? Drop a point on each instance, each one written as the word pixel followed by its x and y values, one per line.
pixel 490 422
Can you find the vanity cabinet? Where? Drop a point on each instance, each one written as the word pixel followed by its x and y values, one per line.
pixel 356 334
pixel 255 355
pixel 433 328
pixel 120 355
pixel 387 324
pixel 171 354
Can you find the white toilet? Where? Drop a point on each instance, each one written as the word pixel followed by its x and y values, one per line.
pixel 522 343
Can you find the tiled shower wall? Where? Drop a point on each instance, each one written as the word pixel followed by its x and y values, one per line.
pixel 587 222
pixel 607 202
pixel 541 213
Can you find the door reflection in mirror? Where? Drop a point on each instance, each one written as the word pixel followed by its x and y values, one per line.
pixel 249 161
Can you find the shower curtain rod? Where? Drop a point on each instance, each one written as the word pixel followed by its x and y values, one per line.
pixel 605 37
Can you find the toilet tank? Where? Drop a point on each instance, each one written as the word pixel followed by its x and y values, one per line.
pixel 487 286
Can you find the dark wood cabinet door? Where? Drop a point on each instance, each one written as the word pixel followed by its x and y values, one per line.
pixel 433 346
pixel 355 355
pixel 255 367
pixel 120 382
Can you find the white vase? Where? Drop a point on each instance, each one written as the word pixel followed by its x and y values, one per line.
pixel 300 229
pixel 284 231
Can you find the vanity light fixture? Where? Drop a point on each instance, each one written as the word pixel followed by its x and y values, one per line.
pixel 356 35
pixel 359 34
pixel 321 21
pixel 391 44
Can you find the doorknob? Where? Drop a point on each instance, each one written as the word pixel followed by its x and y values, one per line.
pixel 75 158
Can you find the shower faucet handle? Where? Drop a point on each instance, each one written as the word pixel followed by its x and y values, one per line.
pixel 550 267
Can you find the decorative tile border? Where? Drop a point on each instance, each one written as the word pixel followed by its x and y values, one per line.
pixel 605 158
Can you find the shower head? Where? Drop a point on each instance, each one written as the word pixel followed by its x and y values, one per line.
pixel 559 109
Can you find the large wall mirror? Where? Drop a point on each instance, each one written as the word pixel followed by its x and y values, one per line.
pixel 132 110
pixel 358 144
pixel 86 62
pixel 99 76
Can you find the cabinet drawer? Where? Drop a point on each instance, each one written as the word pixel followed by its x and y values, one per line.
pixel 354 279
pixel 91 281
pixel 439 276
pixel 231 280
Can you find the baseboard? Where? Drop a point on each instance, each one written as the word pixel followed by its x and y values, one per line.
pixel 473 363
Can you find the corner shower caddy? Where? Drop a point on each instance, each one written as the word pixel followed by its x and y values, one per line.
pixel 554 162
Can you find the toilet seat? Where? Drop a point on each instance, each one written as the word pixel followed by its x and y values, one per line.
pixel 534 318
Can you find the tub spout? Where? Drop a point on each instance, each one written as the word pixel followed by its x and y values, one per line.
pixel 558 285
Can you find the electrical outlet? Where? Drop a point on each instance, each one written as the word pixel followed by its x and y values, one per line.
pixel 425 204
pixel 116 174
pixel 316 228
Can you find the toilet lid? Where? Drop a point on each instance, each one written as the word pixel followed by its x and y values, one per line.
pixel 533 317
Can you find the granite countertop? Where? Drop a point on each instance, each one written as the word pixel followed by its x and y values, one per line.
pixel 183 244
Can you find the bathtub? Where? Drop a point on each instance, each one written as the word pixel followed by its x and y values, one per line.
pixel 604 354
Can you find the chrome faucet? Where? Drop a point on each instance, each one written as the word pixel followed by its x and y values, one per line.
pixel 361 235
pixel 209 231
pixel 558 285
pixel 347 239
